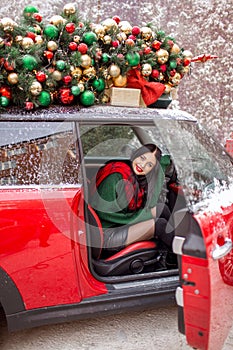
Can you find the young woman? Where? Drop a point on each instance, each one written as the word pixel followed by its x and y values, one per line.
pixel 125 199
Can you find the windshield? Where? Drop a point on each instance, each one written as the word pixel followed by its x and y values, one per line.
pixel 201 163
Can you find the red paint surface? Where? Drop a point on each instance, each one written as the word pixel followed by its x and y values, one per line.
pixel 208 305
pixel 37 250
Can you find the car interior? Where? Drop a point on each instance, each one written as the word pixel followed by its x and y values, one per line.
pixel 140 257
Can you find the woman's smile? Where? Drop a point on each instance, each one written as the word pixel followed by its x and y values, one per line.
pixel 143 164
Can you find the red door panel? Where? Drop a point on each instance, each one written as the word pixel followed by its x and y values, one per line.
pixel 208 283
pixel 36 249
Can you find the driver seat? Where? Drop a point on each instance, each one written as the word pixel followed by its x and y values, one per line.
pixel 136 258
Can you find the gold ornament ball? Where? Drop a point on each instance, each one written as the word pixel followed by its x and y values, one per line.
pixel 18 39
pixel 114 70
pixel 69 9
pixel 52 45
pixel 146 69
pixel 76 73
pixel 2 43
pixel 57 20
pixel 89 72
pixel 99 30
pixel 186 69
pixel 174 81
pixel 161 77
pixel 39 40
pixel 26 43
pixel 107 39
pixel 162 56
pixel 37 29
pixel 146 33
pixel 13 78
pixel 8 24
pixel 109 25
pixel 187 54
pixel 85 61
pixel 56 75
pixel 76 38
pixel 125 27
pixel 36 88
pixel 81 87
pixel 121 36
pixel 167 88
pixel 120 81
pixel 175 49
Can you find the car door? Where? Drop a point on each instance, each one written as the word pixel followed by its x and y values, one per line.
pixel 203 233
pixel 39 177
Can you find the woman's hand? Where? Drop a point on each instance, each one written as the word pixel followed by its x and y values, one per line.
pixel 153 212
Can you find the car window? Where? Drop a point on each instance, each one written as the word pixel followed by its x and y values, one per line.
pixel 34 153
pixel 111 141
pixel 200 162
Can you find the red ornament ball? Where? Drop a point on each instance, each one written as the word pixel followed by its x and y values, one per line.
pixel 186 62
pixel 5 91
pixel 163 68
pixel 82 48
pixel 115 43
pixel 48 54
pixel 73 46
pixel 66 96
pixel 136 30
pixel 29 106
pixel 132 37
pixel 116 19
pixel 70 28
pixel 67 79
pixel 156 44
pixel 37 17
pixel 155 73
pixel 147 50
pixel 41 77
pixel 31 35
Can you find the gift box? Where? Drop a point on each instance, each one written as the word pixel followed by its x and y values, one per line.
pixel 126 97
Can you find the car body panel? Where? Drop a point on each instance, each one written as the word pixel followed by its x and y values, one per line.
pixel 45 257
pixel 207 283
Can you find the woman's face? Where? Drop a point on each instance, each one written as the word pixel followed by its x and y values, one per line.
pixel 143 164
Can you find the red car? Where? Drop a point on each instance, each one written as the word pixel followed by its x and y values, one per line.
pixel 51 268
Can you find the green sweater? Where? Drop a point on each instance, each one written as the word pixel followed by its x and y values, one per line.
pixel 111 204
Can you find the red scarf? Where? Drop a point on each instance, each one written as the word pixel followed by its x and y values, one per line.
pixel 134 192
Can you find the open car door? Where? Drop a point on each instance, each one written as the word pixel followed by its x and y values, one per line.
pixel 205 297
pixel 203 233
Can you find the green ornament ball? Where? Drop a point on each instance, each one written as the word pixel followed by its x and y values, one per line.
pixel 29 62
pixel 29 10
pixel 4 101
pixel 44 99
pixel 75 90
pixel 99 84
pixel 87 98
pixel 89 38
pixel 51 32
pixel 60 65
pixel 173 64
pixel 105 57
pixel 133 58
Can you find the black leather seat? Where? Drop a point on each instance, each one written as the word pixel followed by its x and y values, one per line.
pixel 133 259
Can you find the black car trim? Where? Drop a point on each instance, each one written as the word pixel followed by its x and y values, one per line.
pixel 113 302
pixel 10 297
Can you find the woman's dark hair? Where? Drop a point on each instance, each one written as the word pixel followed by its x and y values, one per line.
pixel 151 178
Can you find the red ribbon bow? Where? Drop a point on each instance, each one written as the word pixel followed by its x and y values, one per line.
pixel 150 91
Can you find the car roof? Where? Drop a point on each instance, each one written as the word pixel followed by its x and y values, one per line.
pixel 93 114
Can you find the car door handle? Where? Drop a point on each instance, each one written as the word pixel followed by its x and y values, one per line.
pixel 220 251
